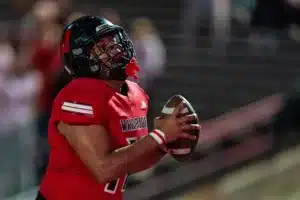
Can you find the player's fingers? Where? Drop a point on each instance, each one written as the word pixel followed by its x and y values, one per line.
pixel 187 118
pixel 188 136
pixel 190 127
pixel 178 109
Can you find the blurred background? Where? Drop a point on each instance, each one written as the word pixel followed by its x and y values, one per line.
pixel 236 61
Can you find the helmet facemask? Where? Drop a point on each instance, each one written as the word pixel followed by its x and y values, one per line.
pixel 109 55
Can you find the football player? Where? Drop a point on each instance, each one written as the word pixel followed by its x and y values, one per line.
pixel 98 129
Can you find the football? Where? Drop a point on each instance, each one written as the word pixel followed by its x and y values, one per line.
pixel 183 147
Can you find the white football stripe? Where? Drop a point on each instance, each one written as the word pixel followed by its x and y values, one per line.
pixel 76 105
pixel 181 151
pixel 169 111
pixel 77 110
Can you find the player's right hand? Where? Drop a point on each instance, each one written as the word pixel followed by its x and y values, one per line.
pixel 176 125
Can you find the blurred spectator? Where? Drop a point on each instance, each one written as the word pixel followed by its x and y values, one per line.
pixel 18 89
pixel 63 77
pixel 43 54
pixel 7 140
pixel 7 58
pixel 22 87
pixel 150 52
pixel 45 11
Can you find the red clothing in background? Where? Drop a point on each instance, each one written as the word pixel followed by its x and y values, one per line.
pixel 46 59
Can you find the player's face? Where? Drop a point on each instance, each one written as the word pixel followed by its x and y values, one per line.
pixel 107 50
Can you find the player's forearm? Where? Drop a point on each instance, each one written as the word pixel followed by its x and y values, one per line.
pixel 126 160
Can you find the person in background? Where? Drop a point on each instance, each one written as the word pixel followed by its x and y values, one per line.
pixel 8 141
pixel 22 87
pixel 45 57
pixel 63 77
pixel 19 87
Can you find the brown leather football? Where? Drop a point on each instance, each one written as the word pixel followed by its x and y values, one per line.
pixel 184 147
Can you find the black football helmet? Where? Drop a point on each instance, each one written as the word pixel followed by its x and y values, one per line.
pixel 94 47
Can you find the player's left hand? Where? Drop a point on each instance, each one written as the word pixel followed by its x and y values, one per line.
pixel 183 147
pixel 185 122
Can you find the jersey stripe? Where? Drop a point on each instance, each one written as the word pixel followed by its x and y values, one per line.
pixel 76 105
pixel 77 108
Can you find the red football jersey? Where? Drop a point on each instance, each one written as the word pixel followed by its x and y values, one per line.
pixel 86 101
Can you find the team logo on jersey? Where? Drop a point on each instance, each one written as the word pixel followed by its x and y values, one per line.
pixel 143 105
pixel 133 124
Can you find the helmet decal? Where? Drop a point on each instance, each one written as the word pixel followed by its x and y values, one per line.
pixel 65 46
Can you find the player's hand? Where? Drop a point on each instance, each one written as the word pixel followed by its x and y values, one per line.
pixel 176 125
